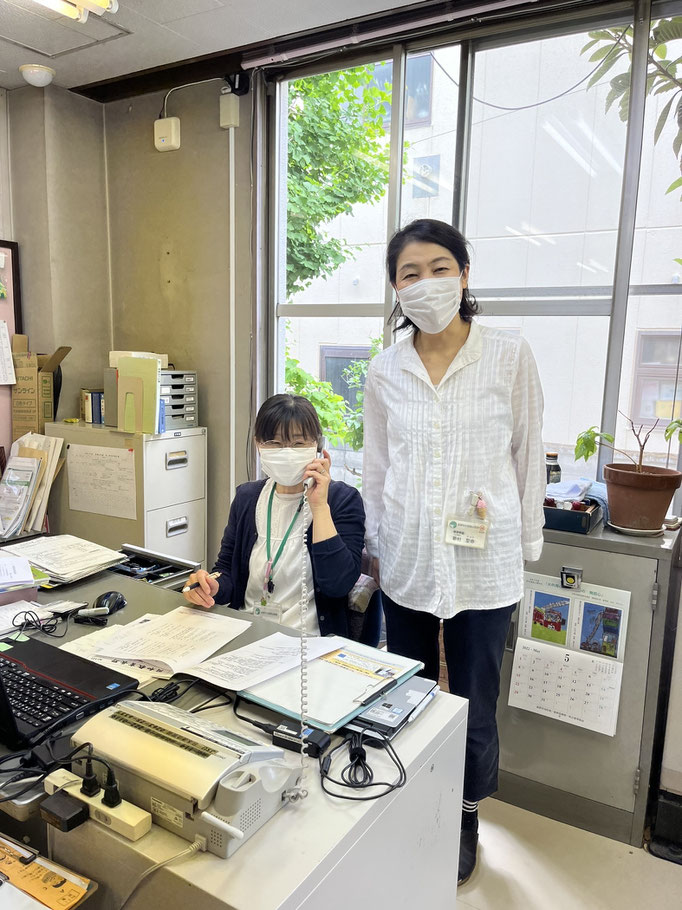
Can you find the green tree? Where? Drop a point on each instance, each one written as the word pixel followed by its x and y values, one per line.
pixel 611 44
pixel 337 157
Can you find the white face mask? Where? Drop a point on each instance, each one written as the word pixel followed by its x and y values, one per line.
pixel 431 303
pixel 286 466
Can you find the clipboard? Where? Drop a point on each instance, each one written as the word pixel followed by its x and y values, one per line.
pixel 340 685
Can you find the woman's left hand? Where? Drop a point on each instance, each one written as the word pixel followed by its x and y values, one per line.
pixel 319 471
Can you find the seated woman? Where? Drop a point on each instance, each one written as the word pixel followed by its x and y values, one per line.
pixel 261 559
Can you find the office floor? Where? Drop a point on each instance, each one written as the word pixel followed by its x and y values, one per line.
pixel 527 862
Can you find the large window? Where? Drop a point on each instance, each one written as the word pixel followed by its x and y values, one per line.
pixel 530 141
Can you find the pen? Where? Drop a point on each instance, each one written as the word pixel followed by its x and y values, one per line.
pixel 198 584
pixel 420 707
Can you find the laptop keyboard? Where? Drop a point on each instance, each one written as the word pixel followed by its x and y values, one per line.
pixel 33 699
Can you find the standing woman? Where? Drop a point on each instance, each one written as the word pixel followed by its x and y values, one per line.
pixel 453 482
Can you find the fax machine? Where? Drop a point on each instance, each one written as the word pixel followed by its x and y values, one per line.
pixel 193 776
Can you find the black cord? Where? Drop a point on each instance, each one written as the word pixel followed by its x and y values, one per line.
pixel 32 622
pixel 357 774
pixel 267 728
pixel 207 707
pixel 171 691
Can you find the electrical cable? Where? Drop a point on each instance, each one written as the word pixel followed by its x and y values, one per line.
pixel 357 773
pixel 164 107
pixel 190 851
pixel 207 706
pixel 32 622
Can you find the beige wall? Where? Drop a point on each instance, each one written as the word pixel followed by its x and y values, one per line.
pixel 126 247
pixel 59 217
pixel 169 224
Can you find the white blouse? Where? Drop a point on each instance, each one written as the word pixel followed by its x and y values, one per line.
pixel 428 447
pixel 286 576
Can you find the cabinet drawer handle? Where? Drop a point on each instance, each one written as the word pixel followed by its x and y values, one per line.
pixel 176 460
pixel 175 526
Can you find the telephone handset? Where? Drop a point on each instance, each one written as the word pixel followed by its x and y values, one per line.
pixel 321 443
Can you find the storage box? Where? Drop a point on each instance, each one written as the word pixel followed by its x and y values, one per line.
pixel 578 522
pixel 33 394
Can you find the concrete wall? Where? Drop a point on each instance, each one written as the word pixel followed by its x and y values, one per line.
pixel 60 223
pixel 125 247
pixel 169 224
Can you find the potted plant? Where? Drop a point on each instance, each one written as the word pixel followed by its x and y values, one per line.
pixel 639 495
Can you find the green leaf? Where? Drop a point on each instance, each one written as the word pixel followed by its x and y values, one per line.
pixel 602 52
pixel 679 261
pixel 667 30
pixel 675 185
pixel 590 44
pixel 661 51
pixel 675 426
pixel 603 69
pixel 587 441
pixel 662 117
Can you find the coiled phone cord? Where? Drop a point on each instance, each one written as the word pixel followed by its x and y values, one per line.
pixel 299 791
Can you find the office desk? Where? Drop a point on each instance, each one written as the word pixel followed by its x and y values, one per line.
pixel 399 851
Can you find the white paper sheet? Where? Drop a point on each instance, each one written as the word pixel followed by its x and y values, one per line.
pixel 12 898
pixel 7 374
pixel 102 480
pixel 89 646
pixel 15 571
pixel 53 446
pixel 9 611
pixel 16 490
pixel 175 641
pixel 571 686
pixel 261 660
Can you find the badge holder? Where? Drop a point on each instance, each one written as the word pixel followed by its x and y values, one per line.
pixel 470 529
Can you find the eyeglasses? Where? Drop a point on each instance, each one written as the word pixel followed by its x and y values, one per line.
pixel 278 444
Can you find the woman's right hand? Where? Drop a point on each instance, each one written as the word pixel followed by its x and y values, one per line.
pixel 204 594
pixel 375 570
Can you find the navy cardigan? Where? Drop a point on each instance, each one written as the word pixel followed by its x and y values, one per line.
pixel 335 562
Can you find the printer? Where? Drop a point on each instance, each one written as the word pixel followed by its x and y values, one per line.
pixel 194 776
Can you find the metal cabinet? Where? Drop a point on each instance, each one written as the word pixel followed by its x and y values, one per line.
pixel 170 482
pixel 587 779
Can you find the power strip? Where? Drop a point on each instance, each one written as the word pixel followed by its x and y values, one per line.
pixel 126 819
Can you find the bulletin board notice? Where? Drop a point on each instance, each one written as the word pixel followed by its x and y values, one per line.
pixel 102 480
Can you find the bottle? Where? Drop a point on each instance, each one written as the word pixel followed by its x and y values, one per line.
pixel 553 467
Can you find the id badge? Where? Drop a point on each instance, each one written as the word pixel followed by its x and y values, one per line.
pixel 469 531
pixel 270 610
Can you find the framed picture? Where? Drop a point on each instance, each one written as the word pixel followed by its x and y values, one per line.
pixel 10 286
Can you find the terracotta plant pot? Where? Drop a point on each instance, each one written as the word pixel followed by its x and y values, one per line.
pixel 639 501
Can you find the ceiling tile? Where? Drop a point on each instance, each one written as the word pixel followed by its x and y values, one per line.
pixel 47 36
pixel 168 10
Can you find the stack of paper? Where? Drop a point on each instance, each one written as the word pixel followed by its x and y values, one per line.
pixel 90 646
pixel 47 449
pixel 173 642
pixel 17 490
pixel 66 558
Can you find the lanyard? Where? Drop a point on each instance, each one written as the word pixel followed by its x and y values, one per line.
pixel 268 586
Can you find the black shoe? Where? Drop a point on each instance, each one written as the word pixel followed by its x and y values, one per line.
pixel 468 843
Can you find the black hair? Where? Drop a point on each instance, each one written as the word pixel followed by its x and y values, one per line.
pixel 288 414
pixel 428 230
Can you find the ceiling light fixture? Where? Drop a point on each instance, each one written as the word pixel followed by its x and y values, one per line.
pixel 65 9
pixel 98 7
pixel 37 74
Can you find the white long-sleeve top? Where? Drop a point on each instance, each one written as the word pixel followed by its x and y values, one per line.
pixel 426 448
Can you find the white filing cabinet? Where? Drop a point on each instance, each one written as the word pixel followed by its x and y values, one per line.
pixel 170 491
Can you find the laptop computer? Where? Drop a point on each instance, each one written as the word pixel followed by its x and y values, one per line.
pixel 41 684
pixel 387 716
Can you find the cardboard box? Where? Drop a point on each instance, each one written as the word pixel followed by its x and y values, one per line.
pixel 578 522
pixel 33 394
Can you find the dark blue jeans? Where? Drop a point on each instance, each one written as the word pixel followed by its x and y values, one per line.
pixel 474 645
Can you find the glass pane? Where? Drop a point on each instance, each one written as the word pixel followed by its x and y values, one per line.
pixel 651 390
pixel 570 352
pixel 546 165
pixel 430 142
pixel 326 360
pixel 658 249
pixel 334 156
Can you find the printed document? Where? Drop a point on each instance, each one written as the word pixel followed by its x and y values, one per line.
pixel 16 492
pixel 66 558
pixel 15 572
pixel 7 374
pixel 8 612
pixel 173 642
pixel 102 480
pixel 89 647
pixel 261 660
